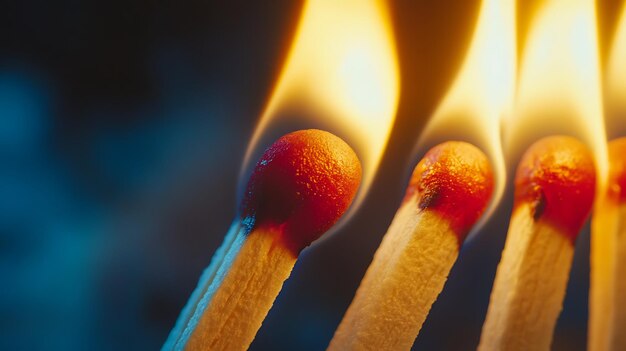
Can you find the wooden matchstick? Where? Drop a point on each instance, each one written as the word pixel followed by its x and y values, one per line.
pixel 607 300
pixel 554 191
pixel 301 186
pixel 448 192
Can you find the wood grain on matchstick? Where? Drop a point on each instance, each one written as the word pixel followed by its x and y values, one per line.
pixel 554 191
pixel 449 191
pixel 607 300
pixel 301 186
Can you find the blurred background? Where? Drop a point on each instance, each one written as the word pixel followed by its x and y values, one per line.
pixel 123 126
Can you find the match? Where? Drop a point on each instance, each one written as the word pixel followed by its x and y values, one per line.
pixel 607 308
pixel 554 192
pixel 300 187
pixel 448 192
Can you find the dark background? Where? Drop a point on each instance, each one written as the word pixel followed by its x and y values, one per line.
pixel 123 125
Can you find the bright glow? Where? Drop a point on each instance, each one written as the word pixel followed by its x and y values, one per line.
pixel 559 84
pixel 616 82
pixel 482 92
pixel 341 75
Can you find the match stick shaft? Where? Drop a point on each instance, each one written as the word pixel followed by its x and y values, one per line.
pixel 242 291
pixel 529 287
pixel 203 284
pixel 407 274
pixel 619 335
pixel 607 297
pixel 447 193
pixel 608 278
pixel 300 187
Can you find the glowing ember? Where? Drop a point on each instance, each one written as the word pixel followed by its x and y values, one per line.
pixel 455 180
pixel 557 176
pixel 303 184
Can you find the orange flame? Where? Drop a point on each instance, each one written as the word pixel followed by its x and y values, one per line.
pixel 559 84
pixel 483 90
pixel 341 75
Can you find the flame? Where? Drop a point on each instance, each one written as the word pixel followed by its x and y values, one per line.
pixel 482 92
pixel 559 88
pixel 616 81
pixel 341 75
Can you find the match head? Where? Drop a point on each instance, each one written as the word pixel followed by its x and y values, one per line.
pixel 617 170
pixel 455 179
pixel 557 177
pixel 301 186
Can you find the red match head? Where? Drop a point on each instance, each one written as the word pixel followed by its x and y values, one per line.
pixel 455 179
pixel 617 170
pixel 302 185
pixel 557 177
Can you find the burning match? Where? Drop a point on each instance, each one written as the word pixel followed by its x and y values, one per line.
pixel 608 259
pixel 554 191
pixel 300 187
pixel 448 192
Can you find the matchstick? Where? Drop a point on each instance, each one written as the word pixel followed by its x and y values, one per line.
pixel 554 191
pixel 301 186
pixel 607 300
pixel 448 192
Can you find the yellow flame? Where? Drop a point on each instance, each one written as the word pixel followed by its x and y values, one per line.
pixel 616 81
pixel 341 75
pixel 483 90
pixel 559 88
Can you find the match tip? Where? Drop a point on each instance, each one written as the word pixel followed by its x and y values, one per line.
pixel 617 170
pixel 557 177
pixel 302 185
pixel 455 179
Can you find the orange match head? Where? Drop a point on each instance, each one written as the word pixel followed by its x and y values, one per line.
pixel 617 170
pixel 557 177
pixel 302 185
pixel 455 179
